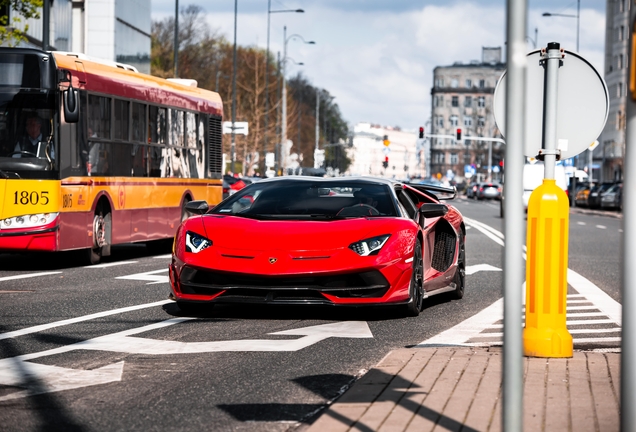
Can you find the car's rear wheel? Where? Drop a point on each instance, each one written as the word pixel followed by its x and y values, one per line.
pixel 416 287
pixel 460 274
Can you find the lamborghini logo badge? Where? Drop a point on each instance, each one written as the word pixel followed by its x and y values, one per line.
pixel 273 260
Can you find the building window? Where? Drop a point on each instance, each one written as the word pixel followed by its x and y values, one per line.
pixel 482 83
pixel 620 33
pixel 454 83
pixel 619 120
pixel 468 101
pixel 468 122
pixel 619 62
pixel 481 101
pixel 453 120
pixel 466 158
pixel 440 121
pixel 439 82
pixel 481 121
pixel 455 101
pixel 439 158
pixel 439 101
pixel 619 89
pixel 469 83
pixel 454 159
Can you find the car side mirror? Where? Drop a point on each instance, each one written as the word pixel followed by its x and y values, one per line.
pixel 197 207
pixel 70 98
pixel 432 210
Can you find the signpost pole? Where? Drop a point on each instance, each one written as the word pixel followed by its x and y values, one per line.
pixel 512 406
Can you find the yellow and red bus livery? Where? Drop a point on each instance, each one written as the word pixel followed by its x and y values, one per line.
pixel 95 154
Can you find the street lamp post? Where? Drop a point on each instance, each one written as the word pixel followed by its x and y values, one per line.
pixel 269 12
pixel 283 140
pixel 577 16
pixel 233 147
pixel 176 39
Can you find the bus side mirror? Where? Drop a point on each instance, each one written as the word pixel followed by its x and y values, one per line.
pixel 70 99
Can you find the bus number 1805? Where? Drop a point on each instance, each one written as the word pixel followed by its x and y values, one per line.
pixel 33 197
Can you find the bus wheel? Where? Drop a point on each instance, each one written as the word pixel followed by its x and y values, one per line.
pixel 100 236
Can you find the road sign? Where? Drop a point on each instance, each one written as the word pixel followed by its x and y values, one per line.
pixel 240 128
pixel 582 104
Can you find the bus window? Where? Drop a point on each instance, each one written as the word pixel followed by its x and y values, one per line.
pixel 140 164
pixel 191 130
pixel 98 116
pixel 177 128
pixel 157 125
pixel 138 122
pixel 121 120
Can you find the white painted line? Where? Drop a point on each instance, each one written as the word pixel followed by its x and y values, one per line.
pixel 583 331
pixel 580 223
pixel 601 226
pixel 606 339
pixel 572 302
pixel 150 276
pixel 113 264
pixel 26 276
pixel 43 327
pixel 163 256
pixel 574 322
pixel 480 267
pixel 574 308
pixel 597 296
pixel 588 314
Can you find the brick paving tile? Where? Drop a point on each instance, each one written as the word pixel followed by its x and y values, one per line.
pixel 604 399
pixel 581 402
pixel 534 394
pixel 456 409
pixel 481 412
pixel 557 409
pixel 459 389
pixel 429 413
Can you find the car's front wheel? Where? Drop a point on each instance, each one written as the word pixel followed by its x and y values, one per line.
pixel 416 287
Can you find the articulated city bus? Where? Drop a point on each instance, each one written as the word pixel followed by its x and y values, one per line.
pixel 94 154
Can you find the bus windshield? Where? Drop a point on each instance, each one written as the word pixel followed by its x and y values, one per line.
pixel 27 147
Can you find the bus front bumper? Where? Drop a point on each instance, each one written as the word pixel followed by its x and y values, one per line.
pixel 45 239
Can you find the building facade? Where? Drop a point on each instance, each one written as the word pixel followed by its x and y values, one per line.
pixel 115 30
pixel 462 98
pixel 369 152
pixel 608 155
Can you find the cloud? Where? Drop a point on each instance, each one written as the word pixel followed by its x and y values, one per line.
pixel 377 57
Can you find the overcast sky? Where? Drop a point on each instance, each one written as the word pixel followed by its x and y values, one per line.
pixel 376 57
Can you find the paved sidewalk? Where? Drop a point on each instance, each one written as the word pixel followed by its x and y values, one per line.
pixel 459 389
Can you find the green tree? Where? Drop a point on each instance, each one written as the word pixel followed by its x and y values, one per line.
pixel 10 33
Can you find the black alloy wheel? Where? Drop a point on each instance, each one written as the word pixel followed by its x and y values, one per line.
pixel 460 275
pixel 416 287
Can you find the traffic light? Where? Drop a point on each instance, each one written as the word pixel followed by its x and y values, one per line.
pixel 458 134
pixel 385 164
pixel 421 132
pixel 386 141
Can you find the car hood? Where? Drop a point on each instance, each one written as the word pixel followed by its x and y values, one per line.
pixel 244 233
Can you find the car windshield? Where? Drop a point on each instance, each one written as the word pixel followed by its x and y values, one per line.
pixel 26 133
pixel 309 200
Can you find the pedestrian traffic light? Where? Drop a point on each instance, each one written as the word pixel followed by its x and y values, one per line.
pixel 386 141
pixel 385 164
pixel 459 134
pixel 421 132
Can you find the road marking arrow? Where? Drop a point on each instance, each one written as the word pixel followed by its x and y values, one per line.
pixel 38 378
pixel 151 276
pixel 480 267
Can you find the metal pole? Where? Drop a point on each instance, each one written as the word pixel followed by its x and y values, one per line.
pixel 628 347
pixel 269 5
pixel 233 148
pixel 552 60
pixel 512 412
pixel 578 20
pixel 46 25
pixel 176 39
pixel 317 118
pixel 277 145
pixel 489 161
pixel 283 141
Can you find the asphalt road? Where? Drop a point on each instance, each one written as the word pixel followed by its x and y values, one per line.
pixel 271 382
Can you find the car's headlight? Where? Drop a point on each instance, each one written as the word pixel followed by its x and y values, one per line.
pixel 195 243
pixel 370 246
pixel 28 221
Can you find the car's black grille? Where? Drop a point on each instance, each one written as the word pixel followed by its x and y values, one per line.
pixel 444 250
pixel 271 288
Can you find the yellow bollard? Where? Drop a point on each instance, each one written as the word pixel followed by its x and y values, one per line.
pixel 545 333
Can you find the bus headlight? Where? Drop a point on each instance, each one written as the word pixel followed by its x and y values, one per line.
pixel 28 221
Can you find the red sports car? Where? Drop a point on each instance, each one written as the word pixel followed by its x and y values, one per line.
pixel 308 240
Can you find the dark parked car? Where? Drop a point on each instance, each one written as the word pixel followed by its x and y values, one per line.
pixel 594 198
pixel 613 197
pixel 488 191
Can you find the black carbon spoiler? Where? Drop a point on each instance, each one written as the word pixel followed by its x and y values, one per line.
pixel 447 192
